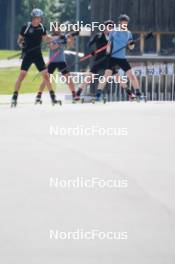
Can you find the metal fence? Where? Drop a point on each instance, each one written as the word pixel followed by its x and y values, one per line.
pixel 157 82
pixel 155 87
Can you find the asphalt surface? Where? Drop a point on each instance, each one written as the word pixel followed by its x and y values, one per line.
pixel 33 152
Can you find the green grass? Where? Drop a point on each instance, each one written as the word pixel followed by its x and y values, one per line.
pixel 4 54
pixel 8 78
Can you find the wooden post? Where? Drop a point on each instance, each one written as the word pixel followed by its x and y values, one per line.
pixel 142 44
pixel 158 46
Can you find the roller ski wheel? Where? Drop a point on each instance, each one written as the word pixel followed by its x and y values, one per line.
pixel 93 100
pixel 13 103
pixel 56 102
pixel 76 99
pixel 144 98
pixel 38 101
pixel 87 99
pixel 141 98
pixel 104 100
pixel 82 100
pixel 132 98
pixel 97 100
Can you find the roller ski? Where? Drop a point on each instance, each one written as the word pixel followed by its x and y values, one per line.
pixel 92 99
pixel 55 102
pixel 13 103
pixel 132 97
pixel 38 101
pixel 142 98
pixel 138 97
pixel 14 99
pixel 75 97
pixel 100 97
pixel 87 99
pixel 83 98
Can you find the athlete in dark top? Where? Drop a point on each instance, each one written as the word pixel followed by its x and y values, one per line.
pixel 30 39
pixel 99 40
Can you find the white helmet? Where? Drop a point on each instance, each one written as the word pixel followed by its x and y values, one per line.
pixel 36 12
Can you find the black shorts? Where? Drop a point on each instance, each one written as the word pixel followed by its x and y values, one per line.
pixel 35 58
pixel 98 66
pixel 61 66
pixel 121 63
pixel 101 65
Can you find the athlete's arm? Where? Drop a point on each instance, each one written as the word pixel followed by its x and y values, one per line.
pixel 70 41
pixel 109 45
pixel 21 36
pixel 20 41
pixel 46 38
pixel 131 44
pixel 53 46
pixel 50 41
pixel 92 41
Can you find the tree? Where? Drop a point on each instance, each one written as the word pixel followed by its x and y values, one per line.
pixel 66 10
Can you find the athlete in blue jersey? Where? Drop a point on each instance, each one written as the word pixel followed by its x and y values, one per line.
pixel 118 42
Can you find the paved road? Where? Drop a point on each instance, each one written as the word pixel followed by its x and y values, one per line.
pixel 143 157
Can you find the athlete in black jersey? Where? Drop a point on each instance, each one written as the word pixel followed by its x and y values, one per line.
pixel 100 40
pixel 30 39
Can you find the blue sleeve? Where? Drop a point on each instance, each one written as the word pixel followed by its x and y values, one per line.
pixel 110 36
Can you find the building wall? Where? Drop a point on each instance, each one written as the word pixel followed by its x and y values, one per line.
pixel 8 13
pixel 146 15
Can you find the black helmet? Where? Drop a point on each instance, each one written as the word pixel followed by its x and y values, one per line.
pixel 124 17
pixel 109 22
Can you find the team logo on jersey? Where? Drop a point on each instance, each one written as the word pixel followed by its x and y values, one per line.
pixel 31 30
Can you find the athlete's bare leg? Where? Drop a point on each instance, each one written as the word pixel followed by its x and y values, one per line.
pixel 21 77
pixel 18 83
pixel 70 82
pixel 132 77
pixel 45 83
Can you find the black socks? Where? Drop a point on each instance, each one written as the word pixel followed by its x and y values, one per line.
pixel 52 94
pixel 15 95
pixel 138 93
pixel 129 92
pixel 39 95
